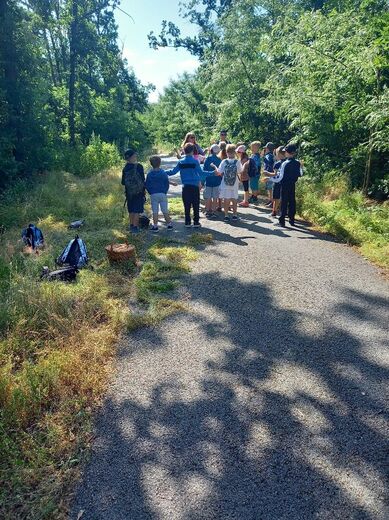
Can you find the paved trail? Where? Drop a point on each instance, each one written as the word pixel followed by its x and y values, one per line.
pixel 266 401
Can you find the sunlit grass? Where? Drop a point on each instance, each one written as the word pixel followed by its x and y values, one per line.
pixel 348 216
pixel 57 340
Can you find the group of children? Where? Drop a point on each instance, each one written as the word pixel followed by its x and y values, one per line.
pixel 226 166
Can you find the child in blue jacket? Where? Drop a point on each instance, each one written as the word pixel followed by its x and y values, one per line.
pixel 190 172
pixel 157 185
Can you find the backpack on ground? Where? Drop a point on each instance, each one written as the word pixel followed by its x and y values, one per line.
pixel 230 172
pixel 134 183
pixel 33 236
pixel 66 274
pixel 74 254
pixel 144 221
pixel 253 168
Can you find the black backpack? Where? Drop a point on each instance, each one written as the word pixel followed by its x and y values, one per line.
pixel 133 182
pixel 74 254
pixel 144 221
pixel 66 274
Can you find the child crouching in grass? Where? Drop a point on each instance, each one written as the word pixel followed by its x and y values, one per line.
pixel 157 184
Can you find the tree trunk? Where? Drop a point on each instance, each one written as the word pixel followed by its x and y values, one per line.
pixel 8 57
pixel 367 176
pixel 73 70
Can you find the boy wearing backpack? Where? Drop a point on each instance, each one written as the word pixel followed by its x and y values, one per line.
pixel 133 178
pixel 190 173
pixel 229 187
pixel 288 174
pixel 255 170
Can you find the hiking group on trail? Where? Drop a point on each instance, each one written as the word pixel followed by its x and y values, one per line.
pixel 219 174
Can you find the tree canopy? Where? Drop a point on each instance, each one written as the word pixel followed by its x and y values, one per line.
pixel 316 72
pixel 62 78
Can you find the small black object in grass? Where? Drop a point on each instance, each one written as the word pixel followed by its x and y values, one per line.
pixel 76 224
pixel 66 274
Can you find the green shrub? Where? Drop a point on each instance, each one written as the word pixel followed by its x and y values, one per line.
pixel 346 215
pixel 86 161
pixel 98 156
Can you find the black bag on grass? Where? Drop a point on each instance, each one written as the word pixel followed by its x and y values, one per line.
pixel 144 221
pixel 74 254
pixel 66 274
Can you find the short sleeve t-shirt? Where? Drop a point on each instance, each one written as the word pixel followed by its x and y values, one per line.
pixel 268 162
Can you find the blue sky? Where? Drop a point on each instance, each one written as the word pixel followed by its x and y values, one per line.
pixel 152 66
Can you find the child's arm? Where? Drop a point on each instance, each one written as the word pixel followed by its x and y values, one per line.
pixel 174 170
pixel 173 183
pixel 217 172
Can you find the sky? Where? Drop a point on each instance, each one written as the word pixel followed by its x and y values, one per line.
pixel 151 66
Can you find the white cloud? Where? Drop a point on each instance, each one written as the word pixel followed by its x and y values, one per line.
pixel 189 64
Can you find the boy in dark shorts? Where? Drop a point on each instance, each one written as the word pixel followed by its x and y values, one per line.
pixel 133 179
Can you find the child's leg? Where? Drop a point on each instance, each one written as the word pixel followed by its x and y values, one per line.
pixel 196 205
pixel 208 205
pixel 234 206
pixel 292 204
pixel 163 202
pixel 226 206
pixel 155 219
pixel 135 219
pixel 168 218
pixel 186 199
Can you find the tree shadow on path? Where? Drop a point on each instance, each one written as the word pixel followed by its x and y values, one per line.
pixel 285 420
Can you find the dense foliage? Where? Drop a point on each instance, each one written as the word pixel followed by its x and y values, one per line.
pixel 316 72
pixel 62 78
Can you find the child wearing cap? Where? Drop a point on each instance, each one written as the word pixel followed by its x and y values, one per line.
pixel 244 174
pixel 268 167
pixel 230 169
pixel 254 177
pixel 212 181
pixel 157 185
pixel 288 175
pixel 133 179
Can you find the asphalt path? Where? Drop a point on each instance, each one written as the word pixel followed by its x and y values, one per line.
pixel 267 400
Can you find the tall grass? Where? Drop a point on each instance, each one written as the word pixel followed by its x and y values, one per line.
pixel 57 340
pixel 347 215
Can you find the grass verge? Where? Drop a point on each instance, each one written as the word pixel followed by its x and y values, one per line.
pixel 57 340
pixel 348 216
